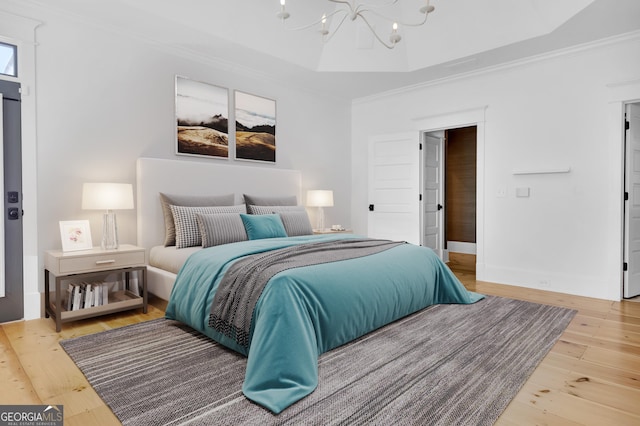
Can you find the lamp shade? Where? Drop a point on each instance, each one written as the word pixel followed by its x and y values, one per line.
pixel 107 196
pixel 320 198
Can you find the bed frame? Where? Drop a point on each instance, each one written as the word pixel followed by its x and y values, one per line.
pixel 154 175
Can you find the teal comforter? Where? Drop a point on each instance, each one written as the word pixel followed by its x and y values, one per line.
pixel 306 311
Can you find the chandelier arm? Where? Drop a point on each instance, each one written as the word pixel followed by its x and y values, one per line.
pixel 330 36
pixel 319 21
pixel 347 2
pixel 404 24
pixel 375 34
pixel 371 6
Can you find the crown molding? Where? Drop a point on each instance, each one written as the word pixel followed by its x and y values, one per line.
pixel 634 35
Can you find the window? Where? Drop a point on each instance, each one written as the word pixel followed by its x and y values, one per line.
pixel 8 60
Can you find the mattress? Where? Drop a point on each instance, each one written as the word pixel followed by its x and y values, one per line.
pixel 169 258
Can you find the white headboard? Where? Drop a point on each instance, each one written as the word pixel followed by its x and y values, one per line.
pixel 155 175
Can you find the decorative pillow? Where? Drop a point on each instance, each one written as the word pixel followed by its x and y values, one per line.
pixel 220 228
pixel 273 209
pixel 187 232
pixel 263 226
pixel 294 218
pixel 167 200
pixel 296 223
pixel 258 200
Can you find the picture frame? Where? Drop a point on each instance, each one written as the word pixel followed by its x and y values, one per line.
pixel 202 119
pixel 255 118
pixel 75 235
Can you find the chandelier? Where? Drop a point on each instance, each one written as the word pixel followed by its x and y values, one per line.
pixel 354 10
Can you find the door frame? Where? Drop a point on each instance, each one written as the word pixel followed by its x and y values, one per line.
pixel 12 301
pixel 456 119
pixel 626 259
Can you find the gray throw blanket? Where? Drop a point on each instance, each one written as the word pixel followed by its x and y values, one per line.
pixel 241 287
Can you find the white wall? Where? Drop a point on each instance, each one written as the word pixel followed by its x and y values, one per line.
pixel 104 99
pixel 553 111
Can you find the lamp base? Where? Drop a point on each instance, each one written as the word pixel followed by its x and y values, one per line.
pixel 109 231
pixel 320 219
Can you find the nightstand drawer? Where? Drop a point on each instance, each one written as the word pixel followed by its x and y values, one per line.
pixel 77 262
pixel 105 261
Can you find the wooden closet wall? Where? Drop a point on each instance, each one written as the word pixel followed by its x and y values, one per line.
pixel 460 187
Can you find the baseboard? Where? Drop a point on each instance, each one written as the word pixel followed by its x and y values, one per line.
pixel 461 247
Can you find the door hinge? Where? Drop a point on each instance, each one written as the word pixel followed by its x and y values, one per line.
pixel 626 196
pixel 625 266
pixel 626 125
pixel 420 147
pixel 420 197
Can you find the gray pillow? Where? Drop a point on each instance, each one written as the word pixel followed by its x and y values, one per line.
pixel 296 223
pixel 167 200
pixel 273 209
pixel 294 218
pixel 220 228
pixel 258 200
pixel 187 231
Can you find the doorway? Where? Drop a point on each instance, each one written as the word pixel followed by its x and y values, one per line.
pixel 631 222
pixel 11 253
pixel 449 186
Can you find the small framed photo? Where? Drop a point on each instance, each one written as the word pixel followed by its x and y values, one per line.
pixel 75 235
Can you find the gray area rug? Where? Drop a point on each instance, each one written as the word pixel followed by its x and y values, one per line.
pixel 447 364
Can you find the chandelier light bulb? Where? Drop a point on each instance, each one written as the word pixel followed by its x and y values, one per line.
pixel 394 37
pixel 323 30
pixel 283 14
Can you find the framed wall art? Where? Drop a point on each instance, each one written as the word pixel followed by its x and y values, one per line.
pixel 255 127
pixel 75 235
pixel 202 115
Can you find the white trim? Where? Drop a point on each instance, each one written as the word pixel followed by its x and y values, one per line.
pixel 620 94
pixel 503 66
pixel 455 119
pixel 461 247
pixel 21 31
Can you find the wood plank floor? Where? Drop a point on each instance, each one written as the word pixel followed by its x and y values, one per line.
pixel 590 377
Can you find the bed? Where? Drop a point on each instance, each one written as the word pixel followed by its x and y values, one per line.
pixel 332 289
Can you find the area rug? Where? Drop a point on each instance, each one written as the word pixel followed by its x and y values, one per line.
pixel 447 364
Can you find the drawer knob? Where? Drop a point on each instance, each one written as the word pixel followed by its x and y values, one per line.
pixel 104 262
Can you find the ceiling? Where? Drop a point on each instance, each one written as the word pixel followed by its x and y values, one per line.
pixel 459 37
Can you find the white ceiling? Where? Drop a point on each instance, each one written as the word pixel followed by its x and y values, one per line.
pixel 460 36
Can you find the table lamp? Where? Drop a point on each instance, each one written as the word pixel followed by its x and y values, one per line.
pixel 109 197
pixel 320 198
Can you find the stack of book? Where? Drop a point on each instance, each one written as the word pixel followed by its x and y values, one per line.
pixel 86 295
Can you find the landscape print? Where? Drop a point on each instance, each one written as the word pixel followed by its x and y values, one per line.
pixel 255 127
pixel 202 112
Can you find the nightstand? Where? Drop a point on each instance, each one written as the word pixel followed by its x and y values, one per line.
pixel 90 289
pixel 332 231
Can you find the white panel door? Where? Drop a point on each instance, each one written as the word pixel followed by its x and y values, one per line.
pixel 394 180
pixel 432 194
pixel 632 207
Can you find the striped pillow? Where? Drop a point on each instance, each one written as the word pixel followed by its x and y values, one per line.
pixel 168 200
pixel 296 223
pixel 221 228
pixel 187 231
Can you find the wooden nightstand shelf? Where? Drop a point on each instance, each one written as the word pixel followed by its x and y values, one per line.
pixel 87 266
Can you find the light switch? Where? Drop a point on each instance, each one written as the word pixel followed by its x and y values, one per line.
pixel 522 192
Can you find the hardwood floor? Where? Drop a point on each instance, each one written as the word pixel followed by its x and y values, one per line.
pixel 590 377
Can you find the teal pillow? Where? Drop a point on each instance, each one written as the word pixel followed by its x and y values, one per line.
pixel 263 226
